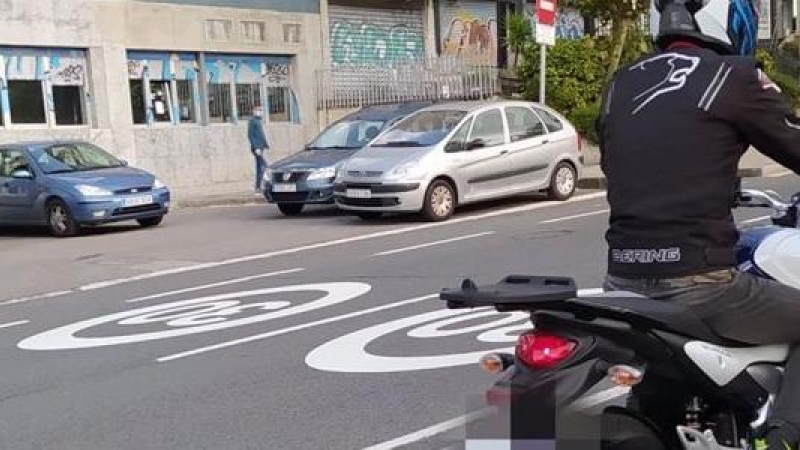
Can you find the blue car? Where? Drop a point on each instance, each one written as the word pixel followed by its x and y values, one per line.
pixel 307 177
pixel 65 185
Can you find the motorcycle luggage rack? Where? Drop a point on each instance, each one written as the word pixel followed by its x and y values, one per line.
pixel 512 293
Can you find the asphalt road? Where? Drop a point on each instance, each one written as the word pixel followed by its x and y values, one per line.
pixel 236 328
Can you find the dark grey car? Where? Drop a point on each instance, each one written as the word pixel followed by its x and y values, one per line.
pixel 307 176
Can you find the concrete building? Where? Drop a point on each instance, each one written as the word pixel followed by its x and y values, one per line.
pixel 167 85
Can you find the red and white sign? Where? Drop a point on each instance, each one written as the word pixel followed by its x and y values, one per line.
pixel 546 21
pixel 546 12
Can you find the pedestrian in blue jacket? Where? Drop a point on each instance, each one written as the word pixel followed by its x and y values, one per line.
pixel 259 144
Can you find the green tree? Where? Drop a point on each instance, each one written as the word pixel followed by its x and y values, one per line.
pixel 623 16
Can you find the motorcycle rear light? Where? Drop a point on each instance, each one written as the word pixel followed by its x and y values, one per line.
pixel 542 350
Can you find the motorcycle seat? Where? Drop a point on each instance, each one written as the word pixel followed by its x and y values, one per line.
pixel 664 315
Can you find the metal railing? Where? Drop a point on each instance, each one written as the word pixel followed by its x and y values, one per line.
pixel 432 78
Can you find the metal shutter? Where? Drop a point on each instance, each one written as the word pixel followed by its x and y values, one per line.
pixel 374 35
pixel 469 30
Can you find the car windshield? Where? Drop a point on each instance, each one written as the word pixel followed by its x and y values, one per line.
pixel 348 134
pixel 73 157
pixel 421 130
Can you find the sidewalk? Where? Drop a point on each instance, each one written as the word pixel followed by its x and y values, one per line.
pixel 753 164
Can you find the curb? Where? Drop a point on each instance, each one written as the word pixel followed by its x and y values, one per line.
pixel 600 182
pixel 248 198
pixel 235 199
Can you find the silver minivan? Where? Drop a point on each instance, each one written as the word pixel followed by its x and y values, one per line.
pixel 456 153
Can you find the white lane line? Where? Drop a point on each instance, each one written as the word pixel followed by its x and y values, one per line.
pixel 213 285
pixel 779 174
pixel 293 328
pixel 319 245
pixel 433 430
pixel 431 244
pixel 13 324
pixel 576 216
pixel 35 297
pixel 757 219
pixel 602 397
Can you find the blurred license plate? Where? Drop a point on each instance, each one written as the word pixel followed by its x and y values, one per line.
pixel 284 187
pixel 139 200
pixel 359 193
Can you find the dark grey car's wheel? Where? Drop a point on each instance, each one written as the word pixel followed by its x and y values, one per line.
pixel 60 222
pixel 440 201
pixel 151 221
pixel 291 209
pixel 564 182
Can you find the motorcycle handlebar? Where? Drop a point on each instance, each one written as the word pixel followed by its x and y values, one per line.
pixel 761 199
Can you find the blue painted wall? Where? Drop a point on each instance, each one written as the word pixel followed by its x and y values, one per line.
pixel 305 6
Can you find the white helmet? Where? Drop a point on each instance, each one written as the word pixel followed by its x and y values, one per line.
pixel 728 26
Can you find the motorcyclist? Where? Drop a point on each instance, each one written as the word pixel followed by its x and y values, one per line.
pixel 673 126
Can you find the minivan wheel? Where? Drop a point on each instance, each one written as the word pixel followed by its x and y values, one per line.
pixel 563 183
pixel 291 209
pixel 60 222
pixel 440 201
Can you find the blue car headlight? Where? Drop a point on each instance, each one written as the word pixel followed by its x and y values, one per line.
pixel 158 184
pixel 92 191
pixel 323 174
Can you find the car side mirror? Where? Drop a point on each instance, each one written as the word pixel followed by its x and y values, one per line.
pixel 476 143
pixel 123 162
pixel 22 174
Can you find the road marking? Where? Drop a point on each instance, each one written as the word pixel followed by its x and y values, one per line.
pixel 198 315
pixel 602 397
pixel 319 245
pixel 354 352
pixel 13 324
pixel 576 216
pixel 757 219
pixel 598 398
pixel 779 174
pixel 293 328
pixel 213 285
pixel 433 430
pixel 431 244
pixel 35 297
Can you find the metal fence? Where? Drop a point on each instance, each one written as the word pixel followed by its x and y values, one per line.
pixel 433 78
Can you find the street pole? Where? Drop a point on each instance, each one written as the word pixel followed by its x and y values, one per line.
pixel 543 73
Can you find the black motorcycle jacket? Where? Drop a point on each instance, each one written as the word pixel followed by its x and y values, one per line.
pixel 672 127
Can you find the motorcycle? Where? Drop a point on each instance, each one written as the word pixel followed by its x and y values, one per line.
pixel 686 388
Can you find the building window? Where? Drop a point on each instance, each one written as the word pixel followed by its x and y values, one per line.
pixel 186 101
pixel 43 86
pixel 219 102
pixel 218 30
pixel 68 105
pixel 26 100
pixel 252 80
pixel 278 104
pixel 163 87
pixel 253 32
pixel 291 33
pixel 138 106
pixel 248 96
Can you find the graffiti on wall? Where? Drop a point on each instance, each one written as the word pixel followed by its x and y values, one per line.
pixel 471 38
pixel 569 22
pixel 365 43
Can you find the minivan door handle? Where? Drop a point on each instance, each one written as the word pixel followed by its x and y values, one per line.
pixel 504 152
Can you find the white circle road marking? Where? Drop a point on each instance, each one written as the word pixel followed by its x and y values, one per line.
pixel 210 313
pixel 348 353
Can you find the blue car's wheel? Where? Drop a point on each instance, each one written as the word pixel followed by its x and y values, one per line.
pixel 59 219
pixel 150 222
